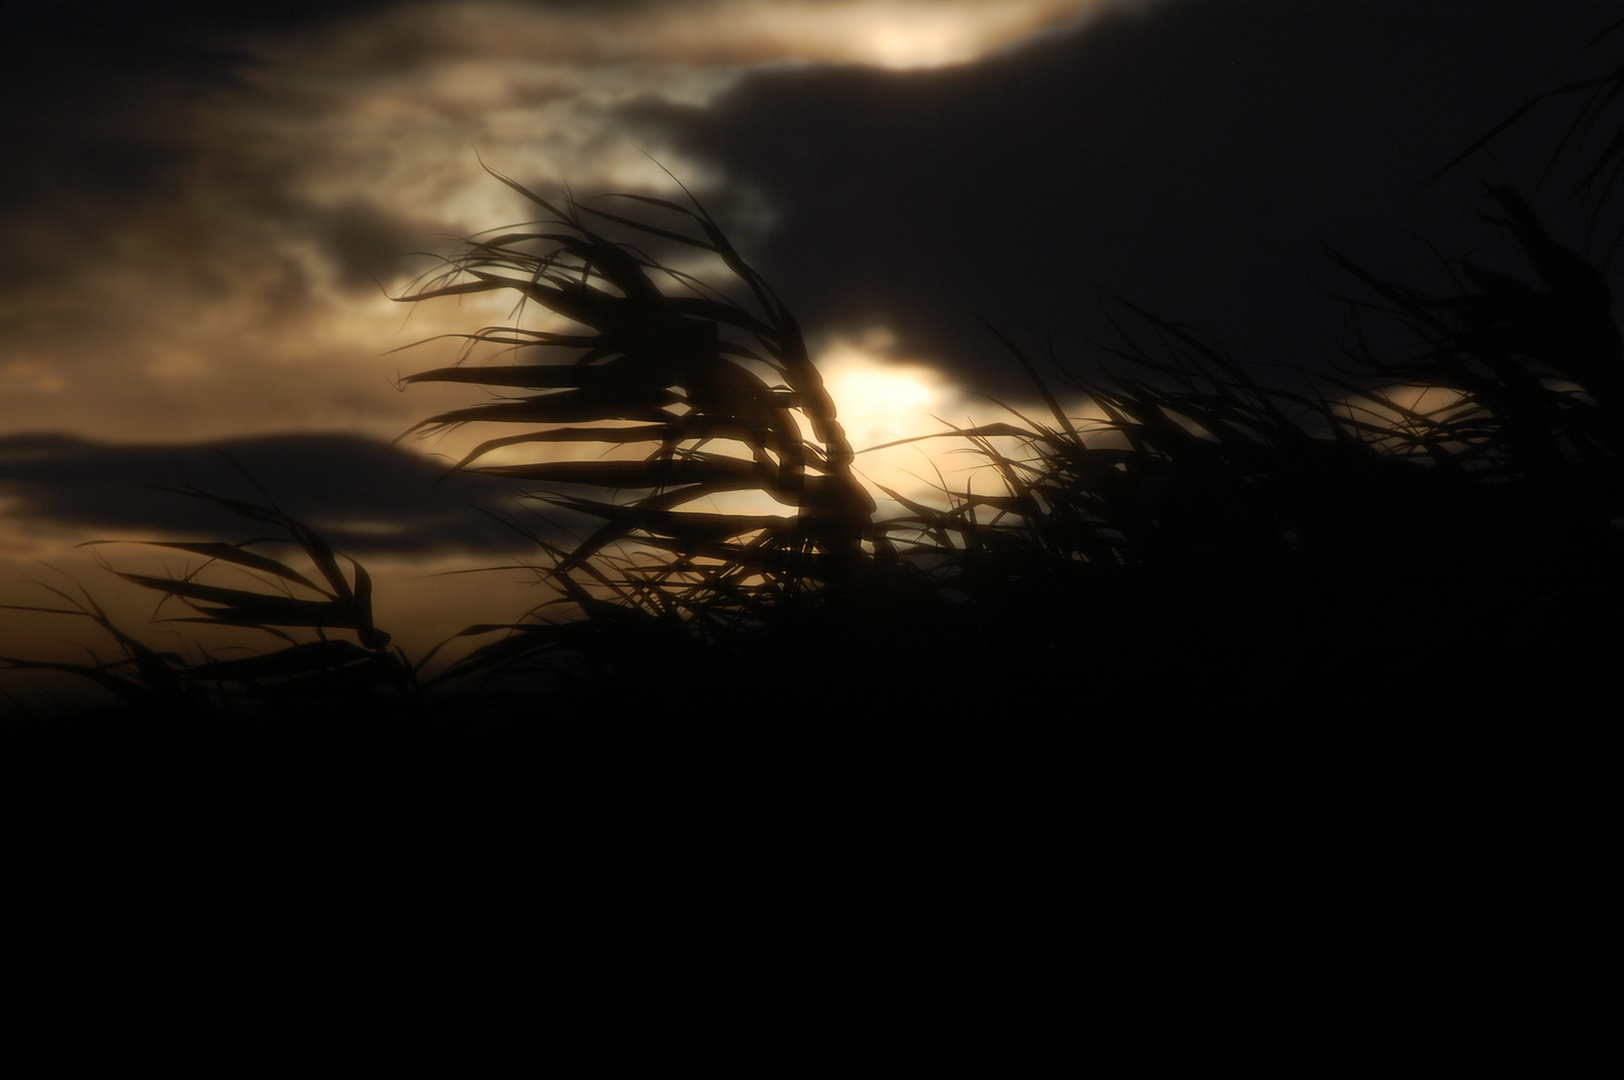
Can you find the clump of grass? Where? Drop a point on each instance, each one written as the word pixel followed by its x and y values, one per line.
pixel 1430 536
pixel 1476 473
pixel 1536 367
pixel 303 611
pixel 143 679
pixel 1469 487
pixel 687 394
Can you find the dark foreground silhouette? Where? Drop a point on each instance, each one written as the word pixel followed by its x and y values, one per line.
pixel 1334 642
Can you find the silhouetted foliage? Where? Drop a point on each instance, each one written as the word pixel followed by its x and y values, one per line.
pixel 1236 651
pixel 1428 529
pixel 300 674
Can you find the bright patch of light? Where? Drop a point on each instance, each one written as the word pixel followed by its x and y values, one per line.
pixel 1404 410
pixel 917 38
pixel 902 417
pixel 898 35
pixel 882 401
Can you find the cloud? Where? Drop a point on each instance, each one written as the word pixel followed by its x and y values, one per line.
pixel 894 34
pixel 209 205
pixel 201 211
pixel 365 497
pixel 1197 163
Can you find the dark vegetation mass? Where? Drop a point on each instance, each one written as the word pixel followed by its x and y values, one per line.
pixel 1404 561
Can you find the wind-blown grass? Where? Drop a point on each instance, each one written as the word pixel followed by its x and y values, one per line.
pixel 694 394
pixel 1345 634
pixel 301 610
pixel 1495 513
pixel 1264 534
pixel 1220 470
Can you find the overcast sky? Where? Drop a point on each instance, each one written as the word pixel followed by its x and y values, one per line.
pixel 204 205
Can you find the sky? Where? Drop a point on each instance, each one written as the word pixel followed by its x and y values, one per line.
pixel 207 209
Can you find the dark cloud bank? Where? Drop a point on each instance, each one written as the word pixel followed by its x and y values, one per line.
pixel 1199 162
pixel 365 497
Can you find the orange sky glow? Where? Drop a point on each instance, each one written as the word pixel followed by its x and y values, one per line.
pixel 219 306
pixel 209 233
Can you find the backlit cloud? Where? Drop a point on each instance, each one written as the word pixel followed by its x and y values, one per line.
pixel 204 224
pixel 210 264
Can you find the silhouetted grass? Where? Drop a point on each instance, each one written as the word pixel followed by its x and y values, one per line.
pixel 1431 545
pixel 701 394
pixel 1264 535
pixel 1228 585
pixel 303 672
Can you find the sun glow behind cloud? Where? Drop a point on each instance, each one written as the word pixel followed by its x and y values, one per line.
pixel 394 101
pixel 237 291
pixel 880 400
pixel 250 270
pixel 899 415
pixel 900 34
